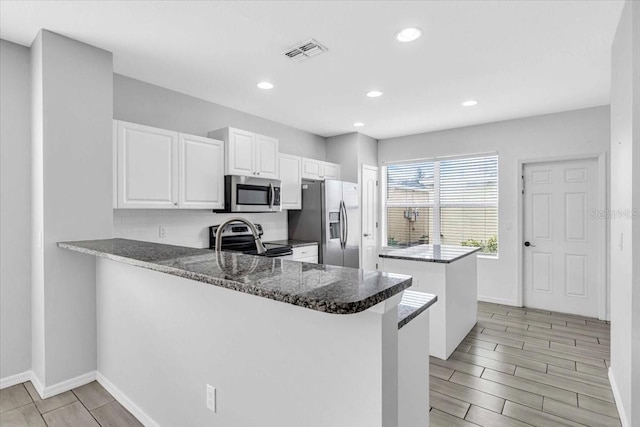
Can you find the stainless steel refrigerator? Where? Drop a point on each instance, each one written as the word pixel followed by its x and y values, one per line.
pixel 330 215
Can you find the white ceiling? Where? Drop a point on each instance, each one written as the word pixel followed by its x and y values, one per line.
pixel 518 58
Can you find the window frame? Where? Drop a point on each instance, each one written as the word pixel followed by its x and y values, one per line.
pixel 437 205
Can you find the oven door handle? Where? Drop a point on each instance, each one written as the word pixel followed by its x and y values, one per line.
pixel 272 195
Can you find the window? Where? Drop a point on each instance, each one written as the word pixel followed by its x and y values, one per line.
pixel 449 202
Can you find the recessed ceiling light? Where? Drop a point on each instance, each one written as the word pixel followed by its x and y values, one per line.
pixel 374 93
pixel 265 85
pixel 358 124
pixel 409 34
pixel 469 103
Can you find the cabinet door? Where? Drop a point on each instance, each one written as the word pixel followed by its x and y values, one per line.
pixel 330 170
pixel 240 153
pixel 201 166
pixel 266 160
pixel 290 175
pixel 147 167
pixel 311 169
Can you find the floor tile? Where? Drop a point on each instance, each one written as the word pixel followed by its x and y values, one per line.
pixel 23 416
pixel 579 376
pixel 484 417
pixel 458 365
pixel 597 405
pixel 485 335
pixel 509 358
pixel 484 362
pixel 73 414
pixel 480 343
pixel 539 357
pixel 519 335
pixel 593 370
pixel 466 394
pixel 499 390
pixel 93 395
pixel 562 355
pixel 114 415
pixel 571 385
pixel 448 404
pixel 13 397
pixel 530 386
pixel 440 419
pixel 55 402
pixel 440 372
pixel 535 417
pixel 579 415
pixel 32 391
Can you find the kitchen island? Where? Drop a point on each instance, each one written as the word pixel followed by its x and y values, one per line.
pixel 450 272
pixel 284 343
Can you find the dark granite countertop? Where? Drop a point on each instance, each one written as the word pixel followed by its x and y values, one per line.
pixel 428 253
pixel 292 243
pixel 326 288
pixel 413 303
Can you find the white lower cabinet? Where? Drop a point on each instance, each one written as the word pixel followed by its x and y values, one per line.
pixel 162 169
pixel 306 253
pixel 291 185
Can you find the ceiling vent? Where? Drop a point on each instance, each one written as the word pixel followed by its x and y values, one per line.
pixel 305 50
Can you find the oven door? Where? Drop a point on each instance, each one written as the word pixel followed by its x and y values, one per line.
pixel 246 194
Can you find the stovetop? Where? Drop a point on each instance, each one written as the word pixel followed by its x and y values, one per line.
pixel 237 237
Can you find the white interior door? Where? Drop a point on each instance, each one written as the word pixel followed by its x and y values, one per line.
pixel 369 245
pixel 563 269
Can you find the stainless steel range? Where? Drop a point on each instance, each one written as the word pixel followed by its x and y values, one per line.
pixel 237 237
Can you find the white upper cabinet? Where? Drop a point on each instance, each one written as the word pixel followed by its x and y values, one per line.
pixel 161 169
pixel 290 175
pixel 147 167
pixel 330 170
pixel 201 162
pixel 317 169
pixel 249 154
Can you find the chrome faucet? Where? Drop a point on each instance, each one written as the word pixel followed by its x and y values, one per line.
pixel 256 235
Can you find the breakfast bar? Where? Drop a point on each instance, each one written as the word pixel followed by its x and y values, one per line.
pixel 448 272
pixel 338 346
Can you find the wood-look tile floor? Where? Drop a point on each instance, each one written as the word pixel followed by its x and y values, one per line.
pixel 525 367
pixel 86 406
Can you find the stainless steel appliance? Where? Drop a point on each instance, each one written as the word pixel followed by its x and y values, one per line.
pixel 238 237
pixel 248 194
pixel 330 215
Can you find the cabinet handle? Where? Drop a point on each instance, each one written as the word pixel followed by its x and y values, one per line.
pixel 257 173
pixel 176 203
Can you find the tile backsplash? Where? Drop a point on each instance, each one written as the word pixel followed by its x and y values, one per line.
pixel 187 227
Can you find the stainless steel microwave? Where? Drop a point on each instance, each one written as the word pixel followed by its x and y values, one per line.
pixel 249 194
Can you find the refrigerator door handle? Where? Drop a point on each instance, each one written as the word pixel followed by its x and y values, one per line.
pixel 346 223
pixel 342 225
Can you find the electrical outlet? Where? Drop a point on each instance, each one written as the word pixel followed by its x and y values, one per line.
pixel 211 398
pixel 162 232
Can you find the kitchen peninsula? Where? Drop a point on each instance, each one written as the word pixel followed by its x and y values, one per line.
pixel 450 272
pixel 284 343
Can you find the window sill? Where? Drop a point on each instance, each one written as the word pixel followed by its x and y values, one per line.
pixel 484 256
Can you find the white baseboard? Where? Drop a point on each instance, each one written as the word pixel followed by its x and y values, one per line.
pixel 124 400
pixel 616 397
pixel 67 385
pixel 498 301
pixel 15 379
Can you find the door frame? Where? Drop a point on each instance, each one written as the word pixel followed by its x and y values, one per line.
pixel 376 208
pixel 601 232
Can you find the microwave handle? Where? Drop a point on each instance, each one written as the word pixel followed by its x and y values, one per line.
pixel 272 195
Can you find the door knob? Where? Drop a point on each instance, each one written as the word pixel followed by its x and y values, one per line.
pixel 527 244
pixel 366 234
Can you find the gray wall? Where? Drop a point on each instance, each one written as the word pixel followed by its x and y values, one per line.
pixel 15 210
pixel 562 135
pixel 343 150
pixel 140 102
pixel 72 143
pixel 625 197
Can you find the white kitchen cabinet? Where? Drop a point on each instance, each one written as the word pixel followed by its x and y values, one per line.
pixel 306 253
pixel 248 153
pixel 161 169
pixel 330 170
pixel 147 167
pixel 200 164
pixel 291 177
pixel 317 169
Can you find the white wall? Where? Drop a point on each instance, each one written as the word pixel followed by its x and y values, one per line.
pixel 15 209
pixel 625 232
pixel 573 133
pixel 273 364
pixel 72 199
pixel 188 227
